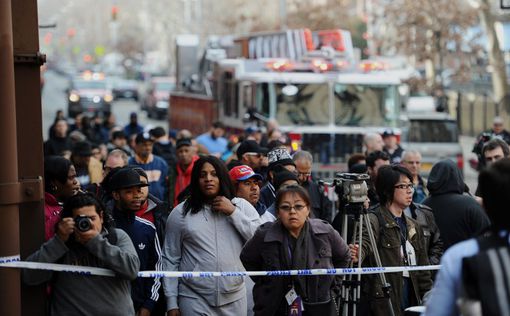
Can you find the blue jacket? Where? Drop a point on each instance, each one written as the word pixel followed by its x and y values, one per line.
pixel 144 291
pixel 157 171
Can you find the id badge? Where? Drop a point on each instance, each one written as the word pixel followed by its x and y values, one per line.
pixel 291 296
pixel 296 308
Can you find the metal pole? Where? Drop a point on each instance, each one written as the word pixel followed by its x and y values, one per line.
pixel 28 134
pixel 459 111
pixel 10 298
pixel 484 111
pixel 472 117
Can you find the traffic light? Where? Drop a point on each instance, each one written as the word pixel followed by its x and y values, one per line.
pixel 115 10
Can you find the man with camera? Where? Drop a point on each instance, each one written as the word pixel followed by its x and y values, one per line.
pixel 126 186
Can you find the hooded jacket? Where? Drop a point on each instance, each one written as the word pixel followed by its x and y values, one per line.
pixel 458 216
pixel 144 291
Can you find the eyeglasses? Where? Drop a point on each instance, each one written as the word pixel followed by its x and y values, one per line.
pixel 258 155
pixel 409 186
pixel 413 162
pixel 288 208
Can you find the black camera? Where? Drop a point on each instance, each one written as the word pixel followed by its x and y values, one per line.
pixel 351 187
pixel 82 223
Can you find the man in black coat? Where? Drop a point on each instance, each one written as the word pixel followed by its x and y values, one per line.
pixel 458 216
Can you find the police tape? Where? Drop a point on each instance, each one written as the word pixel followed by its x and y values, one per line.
pixel 15 262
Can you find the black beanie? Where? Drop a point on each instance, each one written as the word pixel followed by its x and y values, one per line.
pixel 282 176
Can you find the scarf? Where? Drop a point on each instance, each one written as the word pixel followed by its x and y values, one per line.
pixel 296 253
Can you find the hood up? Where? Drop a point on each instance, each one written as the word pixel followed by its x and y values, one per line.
pixel 445 177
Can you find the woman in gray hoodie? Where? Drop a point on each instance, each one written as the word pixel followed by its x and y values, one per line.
pixel 206 233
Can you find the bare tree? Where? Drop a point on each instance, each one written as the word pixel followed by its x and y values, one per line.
pixel 422 29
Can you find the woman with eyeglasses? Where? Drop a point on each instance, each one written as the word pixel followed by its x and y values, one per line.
pixel 399 242
pixel 295 241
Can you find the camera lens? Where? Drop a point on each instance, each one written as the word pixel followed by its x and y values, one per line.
pixel 83 223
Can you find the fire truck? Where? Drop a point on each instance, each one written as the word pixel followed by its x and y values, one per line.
pixel 308 81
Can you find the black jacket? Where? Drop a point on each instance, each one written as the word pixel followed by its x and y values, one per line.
pixel 320 204
pixel 433 242
pixel 267 251
pixel 167 152
pixel 458 216
pixel 57 146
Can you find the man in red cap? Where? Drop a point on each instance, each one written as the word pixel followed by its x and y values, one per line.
pixel 247 184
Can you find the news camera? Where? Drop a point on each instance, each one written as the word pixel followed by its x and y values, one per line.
pixel 351 187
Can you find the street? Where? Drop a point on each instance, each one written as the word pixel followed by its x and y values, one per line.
pixel 54 98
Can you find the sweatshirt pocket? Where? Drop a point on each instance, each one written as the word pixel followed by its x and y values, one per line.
pixel 203 284
pixel 231 284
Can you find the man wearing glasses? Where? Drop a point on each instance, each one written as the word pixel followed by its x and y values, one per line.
pixel 411 159
pixel 321 206
pixel 251 154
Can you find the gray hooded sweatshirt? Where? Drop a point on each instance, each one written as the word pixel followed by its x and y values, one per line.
pixel 207 241
pixel 78 294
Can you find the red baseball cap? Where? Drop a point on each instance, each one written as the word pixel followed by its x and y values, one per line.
pixel 243 172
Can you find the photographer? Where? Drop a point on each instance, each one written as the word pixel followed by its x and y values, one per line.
pixel 85 237
pixel 497 131
pixel 399 241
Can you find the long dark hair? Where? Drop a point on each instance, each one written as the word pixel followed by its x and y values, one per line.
pixel 196 200
pixel 56 168
pixel 83 199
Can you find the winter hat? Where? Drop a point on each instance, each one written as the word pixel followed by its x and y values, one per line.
pixel 279 156
pixel 282 176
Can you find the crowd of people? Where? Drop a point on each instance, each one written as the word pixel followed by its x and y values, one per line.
pixel 129 199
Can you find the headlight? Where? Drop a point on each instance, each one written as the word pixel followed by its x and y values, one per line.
pixel 108 98
pixel 162 104
pixel 73 97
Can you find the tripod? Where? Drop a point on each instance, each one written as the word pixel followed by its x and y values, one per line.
pixel 351 288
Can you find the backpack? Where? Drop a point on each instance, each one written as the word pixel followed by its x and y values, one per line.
pixel 486 275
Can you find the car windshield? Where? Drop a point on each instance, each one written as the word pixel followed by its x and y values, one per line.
pixel 89 84
pixel 433 131
pixel 308 104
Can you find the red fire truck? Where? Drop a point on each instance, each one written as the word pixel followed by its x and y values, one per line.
pixel 308 81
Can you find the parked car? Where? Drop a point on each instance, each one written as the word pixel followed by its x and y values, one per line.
pixel 89 93
pixel 435 135
pixel 156 101
pixel 124 88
